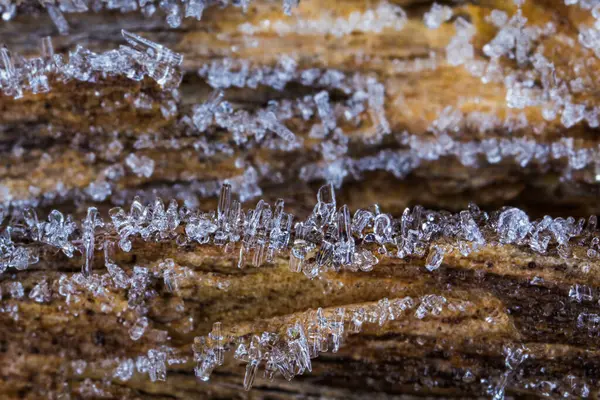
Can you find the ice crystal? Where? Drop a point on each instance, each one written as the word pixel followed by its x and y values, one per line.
pixel 138 328
pixel 435 258
pixel 513 225
pixel 431 304
pixel 141 166
pixel 91 222
pixel 460 50
pixel 437 15
pixel 40 292
pixel 513 40
pixel 15 289
pixel 124 370
pixel 12 255
pixel 581 293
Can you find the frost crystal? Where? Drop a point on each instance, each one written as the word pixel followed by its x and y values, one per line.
pixel 40 292
pixel 581 293
pixel 513 225
pixel 138 328
pixel 160 63
pixel 324 110
pixel 203 114
pixel 460 50
pixel 437 15
pixel 91 222
pixel 512 40
pixel 57 17
pixel 124 370
pixel 99 191
pixel 141 166
pixel 15 289
pixel 435 258
pixel 157 365
pixel 194 9
pixel 430 304
pixel 57 230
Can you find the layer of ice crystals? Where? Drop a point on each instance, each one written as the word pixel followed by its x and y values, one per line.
pixel 328 240
pixel 385 16
pixel 524 151
pixel 174 11
pixel 365 94
pixel 289 350
pixel 540 86
pixel 141 58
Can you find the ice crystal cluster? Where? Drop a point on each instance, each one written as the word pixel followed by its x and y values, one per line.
pixel 329 239
pixel 157 216
pixel 141 58
pixel 174 11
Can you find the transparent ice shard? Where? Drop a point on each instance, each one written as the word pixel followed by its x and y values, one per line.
pixel 460 50
pixel 89 225
pixel 124 370
pixel 11 81
pixel 376 93
pixel 513 225
pixel 204 113
pixel 41 292
pixel 57 18
pixel 142 166
pixel 160 63
pixel 138 328
pixel 434 258
pixel 270 122
pixel 325 111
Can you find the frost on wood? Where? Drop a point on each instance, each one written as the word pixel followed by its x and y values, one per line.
pixel 173 11
pixel 143 58
pixel 229 199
